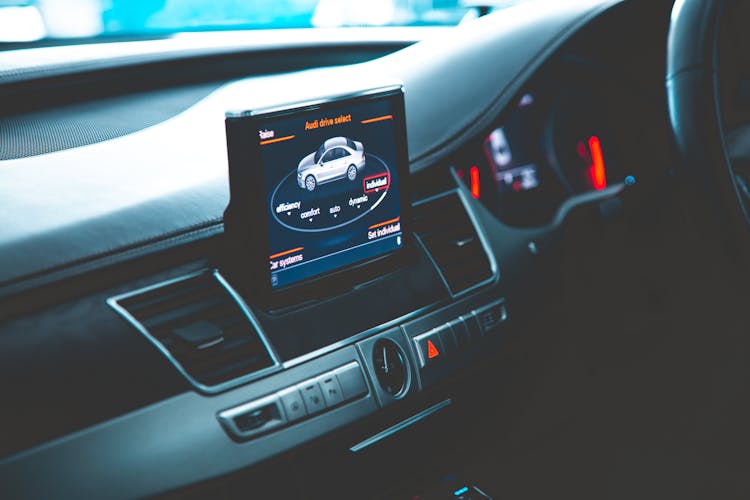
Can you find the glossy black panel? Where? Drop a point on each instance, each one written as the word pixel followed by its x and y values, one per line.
pixel 318 324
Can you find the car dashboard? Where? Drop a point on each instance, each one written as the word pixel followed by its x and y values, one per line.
pixel 140 359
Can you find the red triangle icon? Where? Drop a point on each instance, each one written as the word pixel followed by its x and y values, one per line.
pixel 432 351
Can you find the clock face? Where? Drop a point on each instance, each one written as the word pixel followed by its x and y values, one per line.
pixel 390 367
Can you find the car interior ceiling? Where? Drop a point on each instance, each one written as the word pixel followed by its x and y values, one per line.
pixel 620 372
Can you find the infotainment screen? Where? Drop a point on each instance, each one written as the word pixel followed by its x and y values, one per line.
pixel 330 178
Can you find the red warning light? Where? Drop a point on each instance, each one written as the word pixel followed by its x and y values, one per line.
pixel 474 181
pixel 432 351
pixel 597 171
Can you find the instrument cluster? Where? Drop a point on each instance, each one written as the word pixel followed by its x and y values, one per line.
pixel 571 131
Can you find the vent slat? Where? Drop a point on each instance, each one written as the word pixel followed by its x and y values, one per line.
pixel 209 309
pixel 149 302
pixel 451 239
pixel 233 347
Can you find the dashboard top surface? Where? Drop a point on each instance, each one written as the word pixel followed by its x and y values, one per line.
pixel 22 65
pixel 101 199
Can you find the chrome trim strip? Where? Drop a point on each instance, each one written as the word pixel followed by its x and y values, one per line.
pixel 211 343
pixel 400 426
pixel 582 199
pixel 249 314
pixel 495 278
pixel 461 191
pixel 314 102
pixel 113 302
pixel 434 197
pixel 434 264
pixel 480 491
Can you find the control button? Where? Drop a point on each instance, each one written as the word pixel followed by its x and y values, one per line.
pixel 449 340
pixel 351 380
pixel 200 335
pixel 253 418
pixel 460 333
pixel 331 389
pixel 472 327
pixel 429 348
pixel 491 316
pixel 313 396
pixel 294 407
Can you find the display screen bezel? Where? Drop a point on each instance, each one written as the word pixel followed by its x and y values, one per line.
pixel 249 237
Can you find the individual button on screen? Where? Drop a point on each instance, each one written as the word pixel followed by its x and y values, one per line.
pixel 294 407
pixel 313 397
pixel 329 386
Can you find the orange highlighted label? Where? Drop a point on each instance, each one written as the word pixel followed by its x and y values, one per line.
pixel 278 139
pixel 381 224
pixel 377 119
pixel 376 183
pixel 287 252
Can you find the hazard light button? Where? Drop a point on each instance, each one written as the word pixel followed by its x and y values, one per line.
pixel 430 349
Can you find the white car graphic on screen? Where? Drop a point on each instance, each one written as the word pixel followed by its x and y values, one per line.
pixel 337 158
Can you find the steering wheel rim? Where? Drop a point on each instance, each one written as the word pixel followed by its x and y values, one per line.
pixel 693 97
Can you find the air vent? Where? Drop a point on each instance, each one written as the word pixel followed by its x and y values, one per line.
pixel 446 230
pixel 203 330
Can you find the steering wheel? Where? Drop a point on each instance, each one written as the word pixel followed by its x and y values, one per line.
pixel 719 195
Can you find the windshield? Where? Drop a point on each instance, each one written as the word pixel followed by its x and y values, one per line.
pixel 33 20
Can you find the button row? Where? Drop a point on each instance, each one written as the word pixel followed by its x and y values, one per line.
pixel 296 402
pixel 491 315
pixel 456 335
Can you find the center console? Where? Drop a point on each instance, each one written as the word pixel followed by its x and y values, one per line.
pixel 337 294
